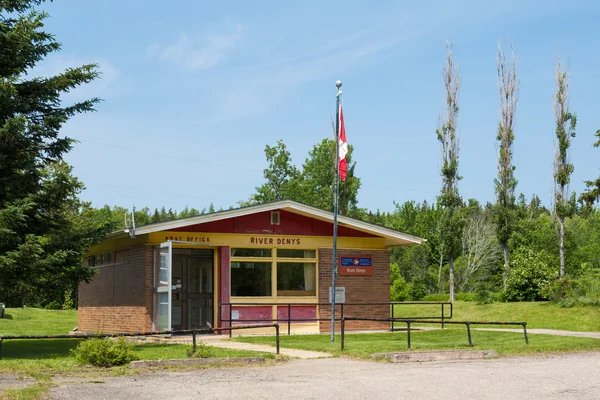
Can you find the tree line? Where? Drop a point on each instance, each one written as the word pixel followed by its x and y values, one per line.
pixel 453 224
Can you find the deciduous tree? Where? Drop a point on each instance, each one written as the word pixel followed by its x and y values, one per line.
pixel 480 250
pixel 506 182
pixel 281 176
pixel 592 194
pixel 565 131
pixel 317 179
pixel 313 184
pixel 449 198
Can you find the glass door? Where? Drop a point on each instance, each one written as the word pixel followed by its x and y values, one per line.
pixel 178 293
pixel 199 292
pixel 162 287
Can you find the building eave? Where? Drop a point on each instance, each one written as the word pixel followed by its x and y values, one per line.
pixel 392 237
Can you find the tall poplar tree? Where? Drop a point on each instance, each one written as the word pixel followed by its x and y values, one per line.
pixel 565 131
pixel 449 199
pixel 506 183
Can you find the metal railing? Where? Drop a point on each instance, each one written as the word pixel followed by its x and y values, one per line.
pixel 442 316
pixel 427 321
pixel 229 308
pixel 193 332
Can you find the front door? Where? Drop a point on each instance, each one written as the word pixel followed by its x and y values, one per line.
pixel 192 304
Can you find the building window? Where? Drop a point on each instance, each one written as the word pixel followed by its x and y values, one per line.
pixel 293 253
pixel 250 279
pixel 273 272
pixel 296 279
pixel 250 253
pixel 100 260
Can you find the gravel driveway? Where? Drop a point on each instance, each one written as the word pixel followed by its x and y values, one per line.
pixel 571 376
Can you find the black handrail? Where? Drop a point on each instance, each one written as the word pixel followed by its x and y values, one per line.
pixel 410 321
pixel 289 319
pixel 194 332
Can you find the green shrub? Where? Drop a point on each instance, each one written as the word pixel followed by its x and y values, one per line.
pixel 465 296
pixel 417 291
pixel 53 305
pixel 104 352
pixel 437 297
pixel 561 289
pixel 568 292
pixel 530 272
pixel 399 289
pixel 590 288
pixel 485 295
pixel 590 300
pixel 446 297
pixel 68 304
pixel 202 351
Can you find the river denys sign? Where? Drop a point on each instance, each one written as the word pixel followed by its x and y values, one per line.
pixel 357 266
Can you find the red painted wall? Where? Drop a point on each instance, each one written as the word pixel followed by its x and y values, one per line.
pixel 253 314
pixel 290 224
pixel 297 312
pixel 224 282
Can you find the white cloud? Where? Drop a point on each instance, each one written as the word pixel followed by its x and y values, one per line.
pixel 199 52
pixel 257 86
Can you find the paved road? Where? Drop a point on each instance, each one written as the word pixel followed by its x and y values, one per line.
pixel 572 376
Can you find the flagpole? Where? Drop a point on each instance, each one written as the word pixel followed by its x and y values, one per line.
pixel 338 84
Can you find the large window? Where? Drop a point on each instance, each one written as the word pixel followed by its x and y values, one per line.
pixel 250 279
pixel 273 273
pixel 296 279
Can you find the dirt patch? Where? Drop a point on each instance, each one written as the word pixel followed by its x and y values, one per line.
pixel 449 355
pixel 12 381
pixel 196 361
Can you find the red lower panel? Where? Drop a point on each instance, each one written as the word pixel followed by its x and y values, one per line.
pixel 297 312
pixel 252 315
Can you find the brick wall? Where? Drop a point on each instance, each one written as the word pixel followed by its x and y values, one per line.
pixel 119 296
pixel 359 289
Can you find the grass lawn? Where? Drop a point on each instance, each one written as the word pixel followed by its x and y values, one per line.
pixel 50 356
pixel 53 355
pixel 362 345
pixel 41 359
pixel 35 321
pixel 536 314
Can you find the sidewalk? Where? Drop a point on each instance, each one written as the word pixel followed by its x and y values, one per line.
pixel 223 341
pixel 302 354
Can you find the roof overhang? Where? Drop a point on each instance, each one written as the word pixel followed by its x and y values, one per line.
pixel 392 237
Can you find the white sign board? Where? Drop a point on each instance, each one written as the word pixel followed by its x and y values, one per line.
pixel 340 295
pixel 235 314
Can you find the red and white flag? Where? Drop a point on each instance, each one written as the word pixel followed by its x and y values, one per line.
pixel 343 148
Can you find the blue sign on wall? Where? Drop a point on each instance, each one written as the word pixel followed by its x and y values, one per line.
pixel 355 261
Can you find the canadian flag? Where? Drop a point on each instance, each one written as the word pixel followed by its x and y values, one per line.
pixel 343 148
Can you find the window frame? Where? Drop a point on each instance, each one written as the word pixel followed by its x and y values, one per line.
pixel 274 260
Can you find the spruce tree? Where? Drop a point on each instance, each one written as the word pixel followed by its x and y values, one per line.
pixel 44 228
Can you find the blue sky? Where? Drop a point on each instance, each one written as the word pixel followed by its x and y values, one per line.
pixel 193 91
